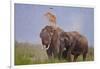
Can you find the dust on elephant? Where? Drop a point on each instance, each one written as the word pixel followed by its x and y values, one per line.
pixel 75 44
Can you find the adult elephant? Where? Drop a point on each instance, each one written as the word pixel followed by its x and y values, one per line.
pixel 46 36
pixel 56 46
pixel 51 40
pixel 75 44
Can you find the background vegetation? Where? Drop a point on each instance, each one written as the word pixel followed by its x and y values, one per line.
pixel 28 53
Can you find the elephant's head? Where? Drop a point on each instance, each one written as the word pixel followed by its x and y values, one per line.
pixel 46 36
pixel 65 40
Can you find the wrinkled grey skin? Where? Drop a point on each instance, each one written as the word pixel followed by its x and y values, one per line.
pixel 46 36
pixel 51 39
pixel 55 44
pixel 75 44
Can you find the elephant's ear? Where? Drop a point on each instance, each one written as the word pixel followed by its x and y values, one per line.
pixel 42 32
pixel 69 39
pixel 66 38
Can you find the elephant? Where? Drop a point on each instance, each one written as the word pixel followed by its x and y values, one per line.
pixel 55 44
pixel 51 40
pixel 64 44
pixel 46 36
pixel 75 44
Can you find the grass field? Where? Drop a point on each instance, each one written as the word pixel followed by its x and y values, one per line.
pixel 27 53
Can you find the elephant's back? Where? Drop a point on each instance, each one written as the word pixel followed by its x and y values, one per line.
pixel 84 43
pixel 80 41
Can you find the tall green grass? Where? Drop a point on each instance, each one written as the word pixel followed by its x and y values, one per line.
pixel 27 53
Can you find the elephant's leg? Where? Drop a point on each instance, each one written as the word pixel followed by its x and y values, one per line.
pixel 49 53
pixel 75 58
pixel 55 54
pixel 69 56
pixel 84 56
pixel 60 53
pixel 85 53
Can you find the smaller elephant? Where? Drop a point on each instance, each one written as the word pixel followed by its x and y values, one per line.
pixel 75 44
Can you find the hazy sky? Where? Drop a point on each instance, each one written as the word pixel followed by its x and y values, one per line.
pixel 29 20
